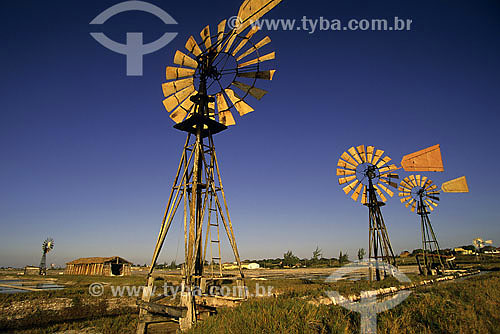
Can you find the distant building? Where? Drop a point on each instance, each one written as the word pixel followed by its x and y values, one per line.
pixel 253 265
pixel 404 254
pixel 31 270
pixel 462 251
pixel 234 266
pixel 104 266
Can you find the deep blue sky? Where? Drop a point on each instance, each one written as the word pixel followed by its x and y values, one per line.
pixel 88 154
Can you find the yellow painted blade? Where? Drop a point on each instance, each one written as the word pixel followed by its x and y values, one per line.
pixel 245 40
pixel 182 59
pixel 254 91
pixel 409 202
pixel 205 37
pixel 387 190
pixel 404 199
pixel 345 172
pixel 377 156
pixel 369 153
pixel 269 56
pixel 413 206
pixel 184 109
pixel 458 185
pixel 349 159
pixel 266 75
pixel 404 190
pixel 346 179
pixel 426 160
pixel 382 162
pixel 427 184
pixel 252 10
pixel 432 202
pixel 424 181
pixel 362 153
pixel 174 73
pixel 341 163
pixel 220 34
pixel 382 197
pixel 173 101
pixel 172 87
pixel 192 46
pixel 238 103
pixel 225 115
pixel 432 187
pixel 430 207
pixel 347 189
pixel 386 169
pixel 436 192
pixel 352 151
pixel 356 192
pixel 229 42
pixel 413 180
pixel 178 115
pixel 187 105
pixel 266 40
pixel 211 110
pixel 406 182
pixel 363 195
pixel 417 177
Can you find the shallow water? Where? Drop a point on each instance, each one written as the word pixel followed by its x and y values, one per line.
pixel 29 284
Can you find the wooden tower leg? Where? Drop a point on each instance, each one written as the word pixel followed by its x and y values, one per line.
pixel 198 185
pixel 429 243
pixel 379 244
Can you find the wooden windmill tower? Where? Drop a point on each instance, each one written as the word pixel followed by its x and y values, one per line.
pixel 367 173
pixel 420 194
pixel 201 98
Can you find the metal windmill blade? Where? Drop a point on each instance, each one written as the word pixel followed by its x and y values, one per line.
pixel 232 77
pixel 48 245
pixel 359 166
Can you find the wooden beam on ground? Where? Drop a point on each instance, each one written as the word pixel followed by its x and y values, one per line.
pixel 19 287
pixel 173 311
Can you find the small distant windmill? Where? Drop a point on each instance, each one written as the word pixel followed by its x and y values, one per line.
pixel 418 192
pixel 479 244
pixel 47 246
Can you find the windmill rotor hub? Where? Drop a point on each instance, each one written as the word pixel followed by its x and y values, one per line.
pixel 371 172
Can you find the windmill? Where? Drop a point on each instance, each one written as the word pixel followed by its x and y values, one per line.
pixel 47 246
pixel 368 174
pixel 479 243
pixel 418 193
pixel 212 79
